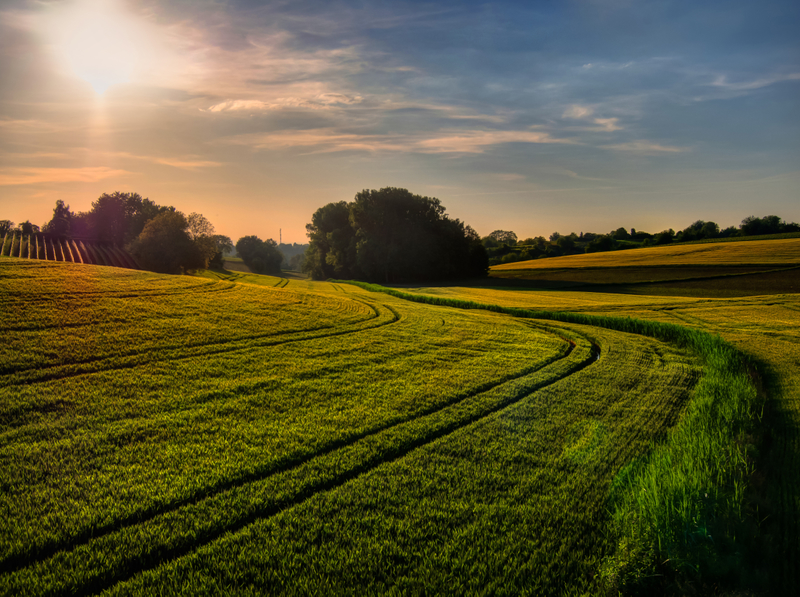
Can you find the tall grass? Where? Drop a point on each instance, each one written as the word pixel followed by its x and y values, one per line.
pixel 683 504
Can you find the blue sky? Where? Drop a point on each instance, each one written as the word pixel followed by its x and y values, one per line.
pixel 532 117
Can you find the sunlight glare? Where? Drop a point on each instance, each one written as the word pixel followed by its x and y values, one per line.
pixel 98 42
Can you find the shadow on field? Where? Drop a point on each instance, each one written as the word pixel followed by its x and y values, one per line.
pixel 708 281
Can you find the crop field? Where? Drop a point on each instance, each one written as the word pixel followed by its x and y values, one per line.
pixel 729 269
pixel 766 327
pixel 757 252
pixel 235 432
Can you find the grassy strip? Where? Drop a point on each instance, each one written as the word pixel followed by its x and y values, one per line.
pixel 683 502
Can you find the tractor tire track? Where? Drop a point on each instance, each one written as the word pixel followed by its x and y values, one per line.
pixel 16 377
pixel 385 453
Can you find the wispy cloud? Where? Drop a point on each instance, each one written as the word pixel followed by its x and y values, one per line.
pixel 479 141
pixel 577 111
pixel 318 102
pixel 456 141
pixel 182 162
pixel 722 81
pixel 27 176
pixel 645 147
pixel 585 113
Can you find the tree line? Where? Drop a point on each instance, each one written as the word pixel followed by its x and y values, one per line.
pixel 389 235
pixel 161 238
pixel 503 246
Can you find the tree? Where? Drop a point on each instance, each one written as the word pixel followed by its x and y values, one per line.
pixel 262 257
pixel 698 231
pixel 61 223
pixel 222 245
pixel 504 237
pixel 391 235
pixel 601 243
pixel 27 228
pixel 566 244
pixel 664 237
pixel 118 218
pixel 199 226
pixel 752 225
pixel 332 243
pixel 165 246
pixel 6 226
pixel 620 234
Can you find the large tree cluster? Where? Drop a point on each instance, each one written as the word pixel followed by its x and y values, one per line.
pixel 160 237
pixel 391 235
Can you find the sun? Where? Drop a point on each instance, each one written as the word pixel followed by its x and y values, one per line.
pixel 97 42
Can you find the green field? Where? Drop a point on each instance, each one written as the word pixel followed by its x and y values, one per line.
pixel 168 434
pixel 762 319
pixel 234 432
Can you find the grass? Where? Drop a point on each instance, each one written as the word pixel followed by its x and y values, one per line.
pixel 767 330
pixel 255 434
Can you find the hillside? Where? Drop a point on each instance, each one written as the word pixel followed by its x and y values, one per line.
pixel 712 269
pixel 177 434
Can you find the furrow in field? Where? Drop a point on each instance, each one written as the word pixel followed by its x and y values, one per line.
pixel 101 562
pixel 291 461
pixel 45 297
pixel 179 351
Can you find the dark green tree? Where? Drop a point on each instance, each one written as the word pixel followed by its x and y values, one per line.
pixel 118 218
pixel 391 235
pixel 222 245
pixel 600 243
pixel 332 243
pixel 752 225
pixel 620 234
pixel 165 246
pixel 503 237
pixel 698 231
pixel 261 256
pixel 27 228
pixel 61 223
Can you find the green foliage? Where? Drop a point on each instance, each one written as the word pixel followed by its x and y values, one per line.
pixel 601 243
pixel 500 237
pixel 262 257
pixel 26 228
pixel 661 503
pixel 61 223
pixel 752 225
pixel 391 234
pixel 116 218
pixel 698 231
pixel 313 437
pixel 222 246
pixel 165 246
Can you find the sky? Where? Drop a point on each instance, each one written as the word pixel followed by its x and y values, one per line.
pixel 569 116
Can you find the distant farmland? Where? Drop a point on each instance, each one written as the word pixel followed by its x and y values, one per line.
pixel 712 269
pixel 177 434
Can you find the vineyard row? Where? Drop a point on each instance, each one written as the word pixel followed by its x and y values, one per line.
pixel 48 248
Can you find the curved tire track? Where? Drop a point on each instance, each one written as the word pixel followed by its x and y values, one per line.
pixel 383 445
